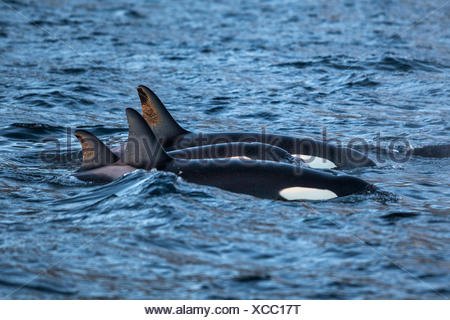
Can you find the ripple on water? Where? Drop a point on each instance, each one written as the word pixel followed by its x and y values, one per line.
pixel 36 281
pixel 152 235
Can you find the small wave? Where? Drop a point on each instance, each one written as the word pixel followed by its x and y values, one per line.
pixel 16 2
pixel 69 70
pixel 73 70
pixel 394 64
pixel 139 182
pixel 405 65
pixel 41 103
pixel 135 14
pixel 56 95
pixel 220 100
pixel 252 277
pixel 21 280
pixel 176 58
pixel 262 115
pixel 296 64
pixel 40 23
pixel 30 131
pixel 206 50
pixel 433 151
pixel 385 63
pixel 82 89
pixel 395 216
pixel 365 82
pixel 100 130
pixel 215 110
pixel 335 62
pixel 35 125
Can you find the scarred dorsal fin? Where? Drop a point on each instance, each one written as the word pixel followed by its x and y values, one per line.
pixel 143 149
pixel 95 153
pixel 158 118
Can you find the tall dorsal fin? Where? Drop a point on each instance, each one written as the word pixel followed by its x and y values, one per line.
pixel 95 153
pixel 143 149
pixel 158 118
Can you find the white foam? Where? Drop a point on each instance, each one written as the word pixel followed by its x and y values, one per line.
pixel 303 193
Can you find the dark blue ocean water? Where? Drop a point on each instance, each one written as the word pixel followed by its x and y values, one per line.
pixel 375 70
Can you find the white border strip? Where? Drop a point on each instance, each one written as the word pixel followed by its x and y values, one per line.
pixel 245 309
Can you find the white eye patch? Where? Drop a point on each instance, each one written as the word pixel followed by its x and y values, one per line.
pixel 316 162
pixel 239 157
pixel 302 193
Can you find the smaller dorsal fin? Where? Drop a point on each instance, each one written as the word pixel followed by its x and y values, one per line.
pixel 143 149
pixel 158 118
pixel 95 153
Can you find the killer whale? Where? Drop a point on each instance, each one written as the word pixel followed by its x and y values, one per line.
pixel 432 151
pixel 238 150
pixel 315 153
pixel 270 180
pixel 233 150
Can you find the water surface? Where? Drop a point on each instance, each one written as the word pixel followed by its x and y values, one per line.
pixel 375 70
